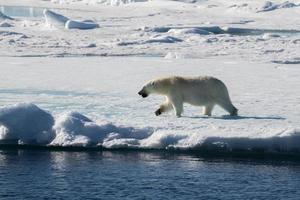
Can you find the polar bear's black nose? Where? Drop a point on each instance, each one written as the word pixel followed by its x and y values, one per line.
pixel 144 95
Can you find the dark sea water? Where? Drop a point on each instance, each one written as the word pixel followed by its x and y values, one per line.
pixel 29 174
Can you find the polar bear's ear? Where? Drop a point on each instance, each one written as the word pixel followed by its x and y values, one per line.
pixel 151 83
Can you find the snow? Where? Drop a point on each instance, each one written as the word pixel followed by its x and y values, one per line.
pixel 75 129
pixel 87 81
pixel 26 123
pixel 29 124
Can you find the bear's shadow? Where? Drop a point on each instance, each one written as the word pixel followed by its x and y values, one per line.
pixel 239 117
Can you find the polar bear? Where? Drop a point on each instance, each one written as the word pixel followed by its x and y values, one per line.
pixel 203 91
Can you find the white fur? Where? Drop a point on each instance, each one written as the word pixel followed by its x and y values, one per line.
pixel 199 91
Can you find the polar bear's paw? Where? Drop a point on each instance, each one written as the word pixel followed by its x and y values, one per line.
pixel 234 112
pixel 158 112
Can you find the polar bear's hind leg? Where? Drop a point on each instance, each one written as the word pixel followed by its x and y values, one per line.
pixel 229 108
pixel 208 109
pixel 234 111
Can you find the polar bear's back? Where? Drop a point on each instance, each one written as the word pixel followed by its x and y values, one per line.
pixel 198 82
pixel 200 89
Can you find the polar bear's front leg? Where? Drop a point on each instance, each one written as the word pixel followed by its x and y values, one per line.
pixel 165 107
pixel 176 101
pixel 177 106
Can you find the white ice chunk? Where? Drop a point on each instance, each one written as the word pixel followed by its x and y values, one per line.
pixel 55 19
pixel 74 129
pixel 185 31
pixel 58 20
pixel 72 24
pixel 3 16
pixel 269 6
pixel 163 39
pixel 27 123
pixel 5 24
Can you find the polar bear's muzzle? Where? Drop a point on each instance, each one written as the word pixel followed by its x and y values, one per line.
pixel 143 94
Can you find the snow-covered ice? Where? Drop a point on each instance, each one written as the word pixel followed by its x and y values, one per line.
pixel 87 81
pixel 91 108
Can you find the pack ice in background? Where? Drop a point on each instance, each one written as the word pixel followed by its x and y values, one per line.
pixel 89 97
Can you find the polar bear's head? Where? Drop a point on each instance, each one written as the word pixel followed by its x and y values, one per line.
pixel 147 89
pixel 156 86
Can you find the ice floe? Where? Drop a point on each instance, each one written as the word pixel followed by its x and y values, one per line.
pixel 28 124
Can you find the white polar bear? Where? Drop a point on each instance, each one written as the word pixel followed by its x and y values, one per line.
pixel 199 91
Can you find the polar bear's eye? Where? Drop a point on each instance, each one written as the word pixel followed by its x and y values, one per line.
pixel 152 83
